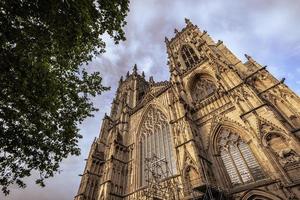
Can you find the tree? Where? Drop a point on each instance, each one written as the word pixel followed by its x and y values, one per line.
pixel 45 87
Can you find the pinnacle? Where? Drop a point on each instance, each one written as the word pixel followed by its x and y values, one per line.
pixel 121 79
pixel 247 56
pixel 134 68
pixel 166 40
pixel 151 80
pixel 187 21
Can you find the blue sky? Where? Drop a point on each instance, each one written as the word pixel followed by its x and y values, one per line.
pixel 268 30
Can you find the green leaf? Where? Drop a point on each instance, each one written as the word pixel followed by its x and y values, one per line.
pixel 45 89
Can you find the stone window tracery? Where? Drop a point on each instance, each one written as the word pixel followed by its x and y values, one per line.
pixel 239 161
pixel 189 56
pixel 155 139
pixel 202 88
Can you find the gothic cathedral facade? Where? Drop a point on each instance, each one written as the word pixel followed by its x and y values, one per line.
pixel 220 128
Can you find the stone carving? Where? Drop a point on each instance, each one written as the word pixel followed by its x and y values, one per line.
pixel 288 155
pixel 280 147
pixel 153 117
pixel 240 94
pixel 202 88
pixel 265 127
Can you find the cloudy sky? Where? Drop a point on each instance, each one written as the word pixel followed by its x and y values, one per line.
pixel 268 30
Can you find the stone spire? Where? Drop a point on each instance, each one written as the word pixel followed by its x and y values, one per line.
pixel 151 80
pixel 127 75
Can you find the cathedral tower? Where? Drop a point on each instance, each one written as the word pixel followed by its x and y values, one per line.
pixel 218 129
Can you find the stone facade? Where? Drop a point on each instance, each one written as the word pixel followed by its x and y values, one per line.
pixel 223 128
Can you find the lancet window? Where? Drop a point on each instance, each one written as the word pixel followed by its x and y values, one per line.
pixel 155 139
pixel 239 161
pixel 189 56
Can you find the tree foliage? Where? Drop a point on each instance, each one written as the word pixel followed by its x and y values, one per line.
pixel 44 84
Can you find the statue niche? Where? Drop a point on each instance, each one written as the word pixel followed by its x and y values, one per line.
pixel 282 149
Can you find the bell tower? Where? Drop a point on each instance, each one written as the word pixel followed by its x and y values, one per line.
pixel 188 52
pixel 207 77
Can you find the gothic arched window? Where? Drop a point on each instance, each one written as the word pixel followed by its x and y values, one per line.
pixel 155 139
pixel 189 56
pixel 239 161
pixel 202 87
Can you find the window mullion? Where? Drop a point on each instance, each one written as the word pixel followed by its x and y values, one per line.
pixel 160 144
pixel 189 57
pixel 144 156
pixel 164 144
pixel 238 172
pixel 169 147
pixel 146 145
pixel 141 163
pixel 252 162
pixel 157 143
pixel 152 143
pixel 245 163
pixel 191 53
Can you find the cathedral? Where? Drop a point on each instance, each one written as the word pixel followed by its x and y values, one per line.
pixel 219 128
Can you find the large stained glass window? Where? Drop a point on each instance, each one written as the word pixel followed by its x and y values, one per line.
pixel 155 139
pixel 239 161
